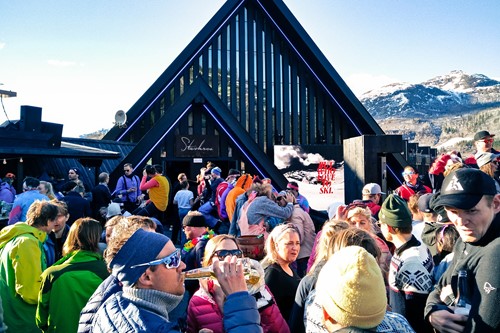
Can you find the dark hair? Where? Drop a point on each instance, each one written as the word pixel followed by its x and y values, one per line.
pixel 158 168
pixel 62 207
pixel 40 212
pixel 69 186
pixel 31 182
pixel 446 236
pixel 150 170
pixel 184 184
pixel 84 234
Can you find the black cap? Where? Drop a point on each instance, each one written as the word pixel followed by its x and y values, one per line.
pixel 464 188
pixel 442 216
pixel 233 172
pixel 482 134
pixel 424 203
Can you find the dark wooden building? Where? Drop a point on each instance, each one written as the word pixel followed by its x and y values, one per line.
pixel 251 79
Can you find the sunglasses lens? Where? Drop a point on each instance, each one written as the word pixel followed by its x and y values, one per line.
pixel 174 260
pixel 221 254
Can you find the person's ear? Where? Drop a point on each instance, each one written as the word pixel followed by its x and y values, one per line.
pixel 145 278
pixel 496 203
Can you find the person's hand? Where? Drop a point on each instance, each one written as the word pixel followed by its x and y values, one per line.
pixel 289 197
pixel 447 322
pixel 230 277
pixel 341 213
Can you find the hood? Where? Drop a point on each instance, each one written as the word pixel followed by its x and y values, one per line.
pixel 20 228
pixel 245 181
pixel 4 185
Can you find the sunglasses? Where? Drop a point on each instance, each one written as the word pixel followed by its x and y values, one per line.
pixel 408 173
pixel 221 254
pixel 173 260
pixel 486 140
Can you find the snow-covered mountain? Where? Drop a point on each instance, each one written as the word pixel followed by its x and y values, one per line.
pixel 456 93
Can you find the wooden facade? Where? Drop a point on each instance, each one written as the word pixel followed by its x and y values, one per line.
pixel 251 78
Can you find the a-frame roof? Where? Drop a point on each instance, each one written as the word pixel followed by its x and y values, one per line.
pixel 284 22
pixel 313 82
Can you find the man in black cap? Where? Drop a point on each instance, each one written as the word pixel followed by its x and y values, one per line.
pixel 483 141
pixel 472 205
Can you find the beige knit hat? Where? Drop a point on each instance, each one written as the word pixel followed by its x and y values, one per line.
pixel 351 289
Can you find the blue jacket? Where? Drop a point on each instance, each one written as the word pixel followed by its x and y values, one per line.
pixel 77 206
pixel 22 203
pixel 119 314
pixel 108 287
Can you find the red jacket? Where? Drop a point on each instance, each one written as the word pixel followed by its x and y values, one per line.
pixel 203 312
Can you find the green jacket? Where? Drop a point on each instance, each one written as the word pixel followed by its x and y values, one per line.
pixel 66 288
pixel 22 261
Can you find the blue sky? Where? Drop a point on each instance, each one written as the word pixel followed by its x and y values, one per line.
pixel 81 61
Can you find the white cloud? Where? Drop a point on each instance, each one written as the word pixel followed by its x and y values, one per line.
pixel 2 45
pixel 363 82
pixel 61 63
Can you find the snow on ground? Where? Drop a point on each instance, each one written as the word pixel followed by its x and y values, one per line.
pixel 451 143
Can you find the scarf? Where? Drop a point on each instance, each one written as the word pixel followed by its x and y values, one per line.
pixel 155 301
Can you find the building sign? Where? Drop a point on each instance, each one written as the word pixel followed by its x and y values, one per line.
pixel 197 146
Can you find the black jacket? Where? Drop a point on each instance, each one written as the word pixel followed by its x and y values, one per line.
pixel 481 260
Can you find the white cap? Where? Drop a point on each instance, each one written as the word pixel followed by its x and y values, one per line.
pixel 113 209
pixel 485 158
pixel 372 188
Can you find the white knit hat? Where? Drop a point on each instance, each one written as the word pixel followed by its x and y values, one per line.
pixel 351 289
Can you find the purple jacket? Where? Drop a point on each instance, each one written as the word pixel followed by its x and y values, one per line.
pixel 124 183
pixel 6 193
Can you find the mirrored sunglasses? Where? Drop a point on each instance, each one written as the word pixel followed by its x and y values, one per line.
pixel 221 254
pixel 408 173
pixel 173 260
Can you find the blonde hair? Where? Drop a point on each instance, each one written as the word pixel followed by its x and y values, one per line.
pixel 488 169
pixel 49 188
pixel 324 249
pixel 359 237
pixel 272 243
pixel 123 229
pixel 366 212
pixel 84 234
pixel 212 245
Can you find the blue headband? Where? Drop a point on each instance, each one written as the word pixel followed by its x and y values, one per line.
pixel 141 247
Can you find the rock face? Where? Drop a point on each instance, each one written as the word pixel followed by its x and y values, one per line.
pixel 443 108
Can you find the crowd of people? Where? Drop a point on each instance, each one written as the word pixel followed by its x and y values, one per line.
pixel 80 260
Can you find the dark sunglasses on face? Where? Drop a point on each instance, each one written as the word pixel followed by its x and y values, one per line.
pixel 173 260
pixel 221 254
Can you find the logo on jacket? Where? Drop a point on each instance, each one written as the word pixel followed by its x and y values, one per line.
pixel 488 287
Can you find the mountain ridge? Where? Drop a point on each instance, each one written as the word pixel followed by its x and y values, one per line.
pixel 449 107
